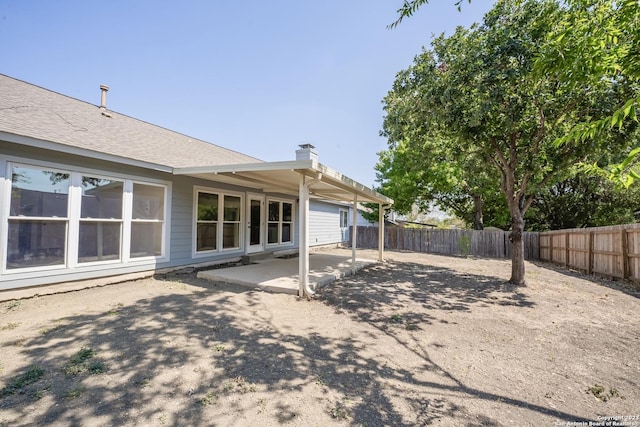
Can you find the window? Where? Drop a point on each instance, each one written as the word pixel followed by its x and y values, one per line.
pixel 147 220
pixel 231 224
pixel 100 219
pixel 67 218
pixel 207 222
pixel 218 219
pixel 280 223
pixel 344 218
pixel 38 217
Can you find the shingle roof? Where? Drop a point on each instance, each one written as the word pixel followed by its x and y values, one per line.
pixel 38 113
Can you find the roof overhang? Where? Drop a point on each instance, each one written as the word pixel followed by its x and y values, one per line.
pixel 284 178
pixel 77 151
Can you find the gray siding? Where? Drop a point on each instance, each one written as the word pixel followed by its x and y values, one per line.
pixel 27 155
pixel 324 223
pixel 179 238
pixel 324 218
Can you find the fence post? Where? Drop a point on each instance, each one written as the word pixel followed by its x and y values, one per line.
pixel 625 255
pixel 590 253
pixel 551 248
pixel 566 249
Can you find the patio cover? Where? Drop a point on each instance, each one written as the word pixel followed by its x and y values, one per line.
pixel 305 179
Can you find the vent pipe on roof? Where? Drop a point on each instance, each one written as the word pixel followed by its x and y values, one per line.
pixel 103 98
pixel 306 152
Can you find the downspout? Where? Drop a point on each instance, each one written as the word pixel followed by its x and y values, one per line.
pixel 303 209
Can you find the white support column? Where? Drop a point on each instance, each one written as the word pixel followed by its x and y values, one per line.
pixel 380 232
pixel 354 233
pixel 303 259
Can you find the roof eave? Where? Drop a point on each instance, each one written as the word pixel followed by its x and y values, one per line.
pixel 305 167
pixel 67 149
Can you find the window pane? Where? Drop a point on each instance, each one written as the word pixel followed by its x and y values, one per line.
pixel 272 233
pixel 207 207
pixel 101 198
pixel 36 243
pixel 255 235
pixel 343 219
pixel 37 192
pixel 286 212
pixel 206 239
pixel 286 233
pixel 274 211
pixel 231 208
pixel 231 235
pixel 99 241
pixel 146 239
pixel 148 202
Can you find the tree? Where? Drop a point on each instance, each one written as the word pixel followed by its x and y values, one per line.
pixel 596 40
pixel 591 40
pixel 583 200
pixel 478 89
pixel 425 171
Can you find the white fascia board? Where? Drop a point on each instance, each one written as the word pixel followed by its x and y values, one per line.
pixel 306 167
pixel 341 181
pixel 248 167
pixel 68 149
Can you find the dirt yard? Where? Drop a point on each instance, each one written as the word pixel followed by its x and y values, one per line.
pixel 420 340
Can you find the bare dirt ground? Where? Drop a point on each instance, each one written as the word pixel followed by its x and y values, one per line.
pixel 420 340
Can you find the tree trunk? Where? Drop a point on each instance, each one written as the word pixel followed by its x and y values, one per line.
pixel 517 247
pixel 478 222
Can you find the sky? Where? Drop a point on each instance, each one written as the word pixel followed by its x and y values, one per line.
pixel 256 76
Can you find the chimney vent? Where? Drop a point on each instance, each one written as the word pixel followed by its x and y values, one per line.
pixel 103 98
pixel 306 152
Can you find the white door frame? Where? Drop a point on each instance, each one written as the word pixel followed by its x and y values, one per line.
pixel 261 245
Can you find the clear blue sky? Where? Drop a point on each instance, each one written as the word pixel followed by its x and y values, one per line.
pixel 256 76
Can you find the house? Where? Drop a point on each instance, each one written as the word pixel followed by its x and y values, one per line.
pixel 88 192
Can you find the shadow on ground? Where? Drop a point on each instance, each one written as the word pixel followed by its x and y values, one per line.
pixel 212 357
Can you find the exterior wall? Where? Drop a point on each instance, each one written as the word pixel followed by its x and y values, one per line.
pixel 361 221
pixel 41 158
pixel 179 218
pixel 324 223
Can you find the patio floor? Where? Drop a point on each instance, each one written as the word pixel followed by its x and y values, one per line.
pixel 281 274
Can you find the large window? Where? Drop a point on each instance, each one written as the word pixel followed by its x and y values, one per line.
pixel 100 219
pixel 38 217
pixel 66 218
pixel 217 221
pixel 207 222
pixel 280 223
pixel 147 220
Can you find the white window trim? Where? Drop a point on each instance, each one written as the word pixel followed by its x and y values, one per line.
pixel 219 233
pixel 342 212
pixel 280 243
pixel 72 220
pixel 128 205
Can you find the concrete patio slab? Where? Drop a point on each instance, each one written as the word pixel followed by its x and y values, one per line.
pixel 281 275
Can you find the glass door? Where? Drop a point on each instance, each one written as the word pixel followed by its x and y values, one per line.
pixel 255 223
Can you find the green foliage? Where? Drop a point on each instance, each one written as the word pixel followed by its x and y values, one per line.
pixel 592 43
pixel 596 42
pixel 473 110
pixel 583 201
pixel 79 363
pixel 409 7
pixel 465 245
pixel 33 374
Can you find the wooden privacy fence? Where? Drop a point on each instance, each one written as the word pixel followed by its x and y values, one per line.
pixel 608 251
pixel 485 243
